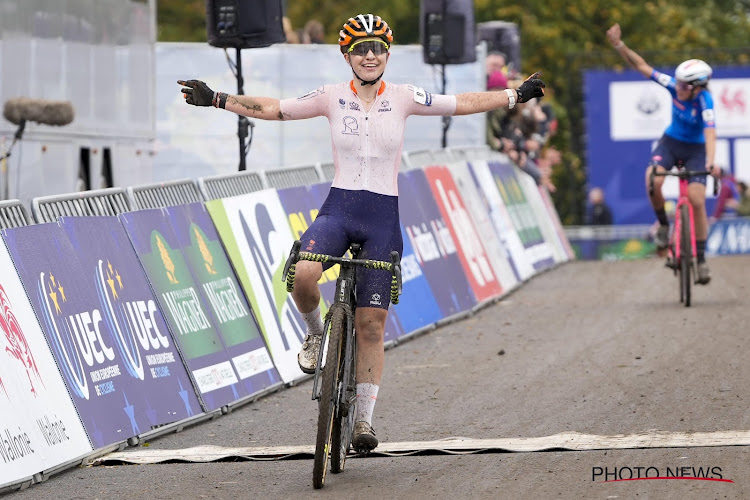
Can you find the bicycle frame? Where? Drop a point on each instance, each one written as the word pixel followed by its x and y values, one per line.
pixel 679 259
pixel 335 384
pixel 683 199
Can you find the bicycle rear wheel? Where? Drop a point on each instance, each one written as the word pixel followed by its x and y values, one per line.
pixel 686 255
pixel 343 420
pixel 328 397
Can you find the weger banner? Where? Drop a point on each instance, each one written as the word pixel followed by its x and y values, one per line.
pixel 101 320
pixel 39 426
pixel 256 234
pixel 470 247
pixel 234 317
pixel 183 306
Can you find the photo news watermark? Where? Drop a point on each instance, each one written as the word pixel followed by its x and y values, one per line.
pixel 616 474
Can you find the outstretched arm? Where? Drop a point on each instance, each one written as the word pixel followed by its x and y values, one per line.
pixel 631 57
pixel 478 102
pixel 198 93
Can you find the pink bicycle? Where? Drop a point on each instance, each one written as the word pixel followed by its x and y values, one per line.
pixel 681 252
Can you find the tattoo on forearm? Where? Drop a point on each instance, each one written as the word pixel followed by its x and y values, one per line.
pixel 252 106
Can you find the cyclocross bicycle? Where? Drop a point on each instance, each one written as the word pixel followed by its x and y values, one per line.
pixel 681 251
pixel 335 384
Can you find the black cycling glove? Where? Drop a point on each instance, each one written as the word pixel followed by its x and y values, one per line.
pixel 531 87
pixel 198 93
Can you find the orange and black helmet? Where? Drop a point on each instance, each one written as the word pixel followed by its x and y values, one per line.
pixel 364 26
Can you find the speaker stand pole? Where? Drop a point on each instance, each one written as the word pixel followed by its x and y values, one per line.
pixel 242 122
pixel 446 119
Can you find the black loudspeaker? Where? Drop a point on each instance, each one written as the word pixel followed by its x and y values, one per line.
pixel 502 36
pixel 447 31
pixel 244 24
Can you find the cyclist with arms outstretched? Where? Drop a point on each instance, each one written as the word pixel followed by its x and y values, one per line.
pixel 367 117
pixel 691 137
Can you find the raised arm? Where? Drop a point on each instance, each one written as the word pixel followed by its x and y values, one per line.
pixel 631 57
pixel 478 102
pixel 198 93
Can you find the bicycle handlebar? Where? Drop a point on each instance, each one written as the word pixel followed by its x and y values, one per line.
pixel 681 173
pixel 295 256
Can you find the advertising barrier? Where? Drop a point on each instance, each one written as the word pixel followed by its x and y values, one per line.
pixel 234 318
pixel 471 252
pixel 501 220
pixel 190 313
pixel 497 254
pixel 433 244
pixel 538 252
pixel 39 427
pixel 729 236
pixel 106 333
pixel 116 326
pixel 539 211
pixel 256 234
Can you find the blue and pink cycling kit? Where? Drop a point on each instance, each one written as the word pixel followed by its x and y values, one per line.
pixel 684 138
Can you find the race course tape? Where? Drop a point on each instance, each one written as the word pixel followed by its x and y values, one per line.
pixel 570 441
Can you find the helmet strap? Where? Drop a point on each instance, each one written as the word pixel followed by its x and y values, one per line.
pixel 365 82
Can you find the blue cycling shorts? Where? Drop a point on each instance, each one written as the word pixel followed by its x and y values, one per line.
pixel 363 217
pixel 669 150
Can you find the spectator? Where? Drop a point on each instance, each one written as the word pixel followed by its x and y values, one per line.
pixel 598 213
pixel 728 199
pixel 291 35
pixel 496 63
pixel 743 207
pixel 313 32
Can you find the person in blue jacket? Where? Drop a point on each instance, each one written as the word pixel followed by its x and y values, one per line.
pixel 691 137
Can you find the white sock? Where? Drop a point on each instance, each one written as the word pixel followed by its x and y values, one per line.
pixel 313 321
pixel 367 395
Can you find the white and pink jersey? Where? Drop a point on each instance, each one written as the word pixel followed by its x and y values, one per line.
pixel 367 144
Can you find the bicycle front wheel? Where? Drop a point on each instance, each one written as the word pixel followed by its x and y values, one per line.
pixel 329 396
pixel 343 419
pixel 686 255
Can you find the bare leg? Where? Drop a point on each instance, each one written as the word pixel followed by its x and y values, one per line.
pixel 369 323
pixel 656 199
pixel 306 292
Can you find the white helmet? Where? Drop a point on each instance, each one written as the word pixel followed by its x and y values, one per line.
pixel 694 72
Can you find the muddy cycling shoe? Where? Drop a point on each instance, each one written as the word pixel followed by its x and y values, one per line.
pixel 704 275
pixel 364 440
pixel 661 238
pixel 307 358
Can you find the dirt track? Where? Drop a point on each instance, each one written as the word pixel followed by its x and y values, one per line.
pixel 594 347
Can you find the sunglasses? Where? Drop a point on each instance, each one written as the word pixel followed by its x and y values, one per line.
pixel 684 86
pixel 361 48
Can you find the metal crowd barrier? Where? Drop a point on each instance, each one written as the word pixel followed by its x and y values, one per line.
pixel 164 194
pixel 110 201
pixel 293 177
pixel 443 157
pixel 13 214
pixel 416 159
pixel 328 171
pixel 226 185
pixel 619 232
pixel 468 153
